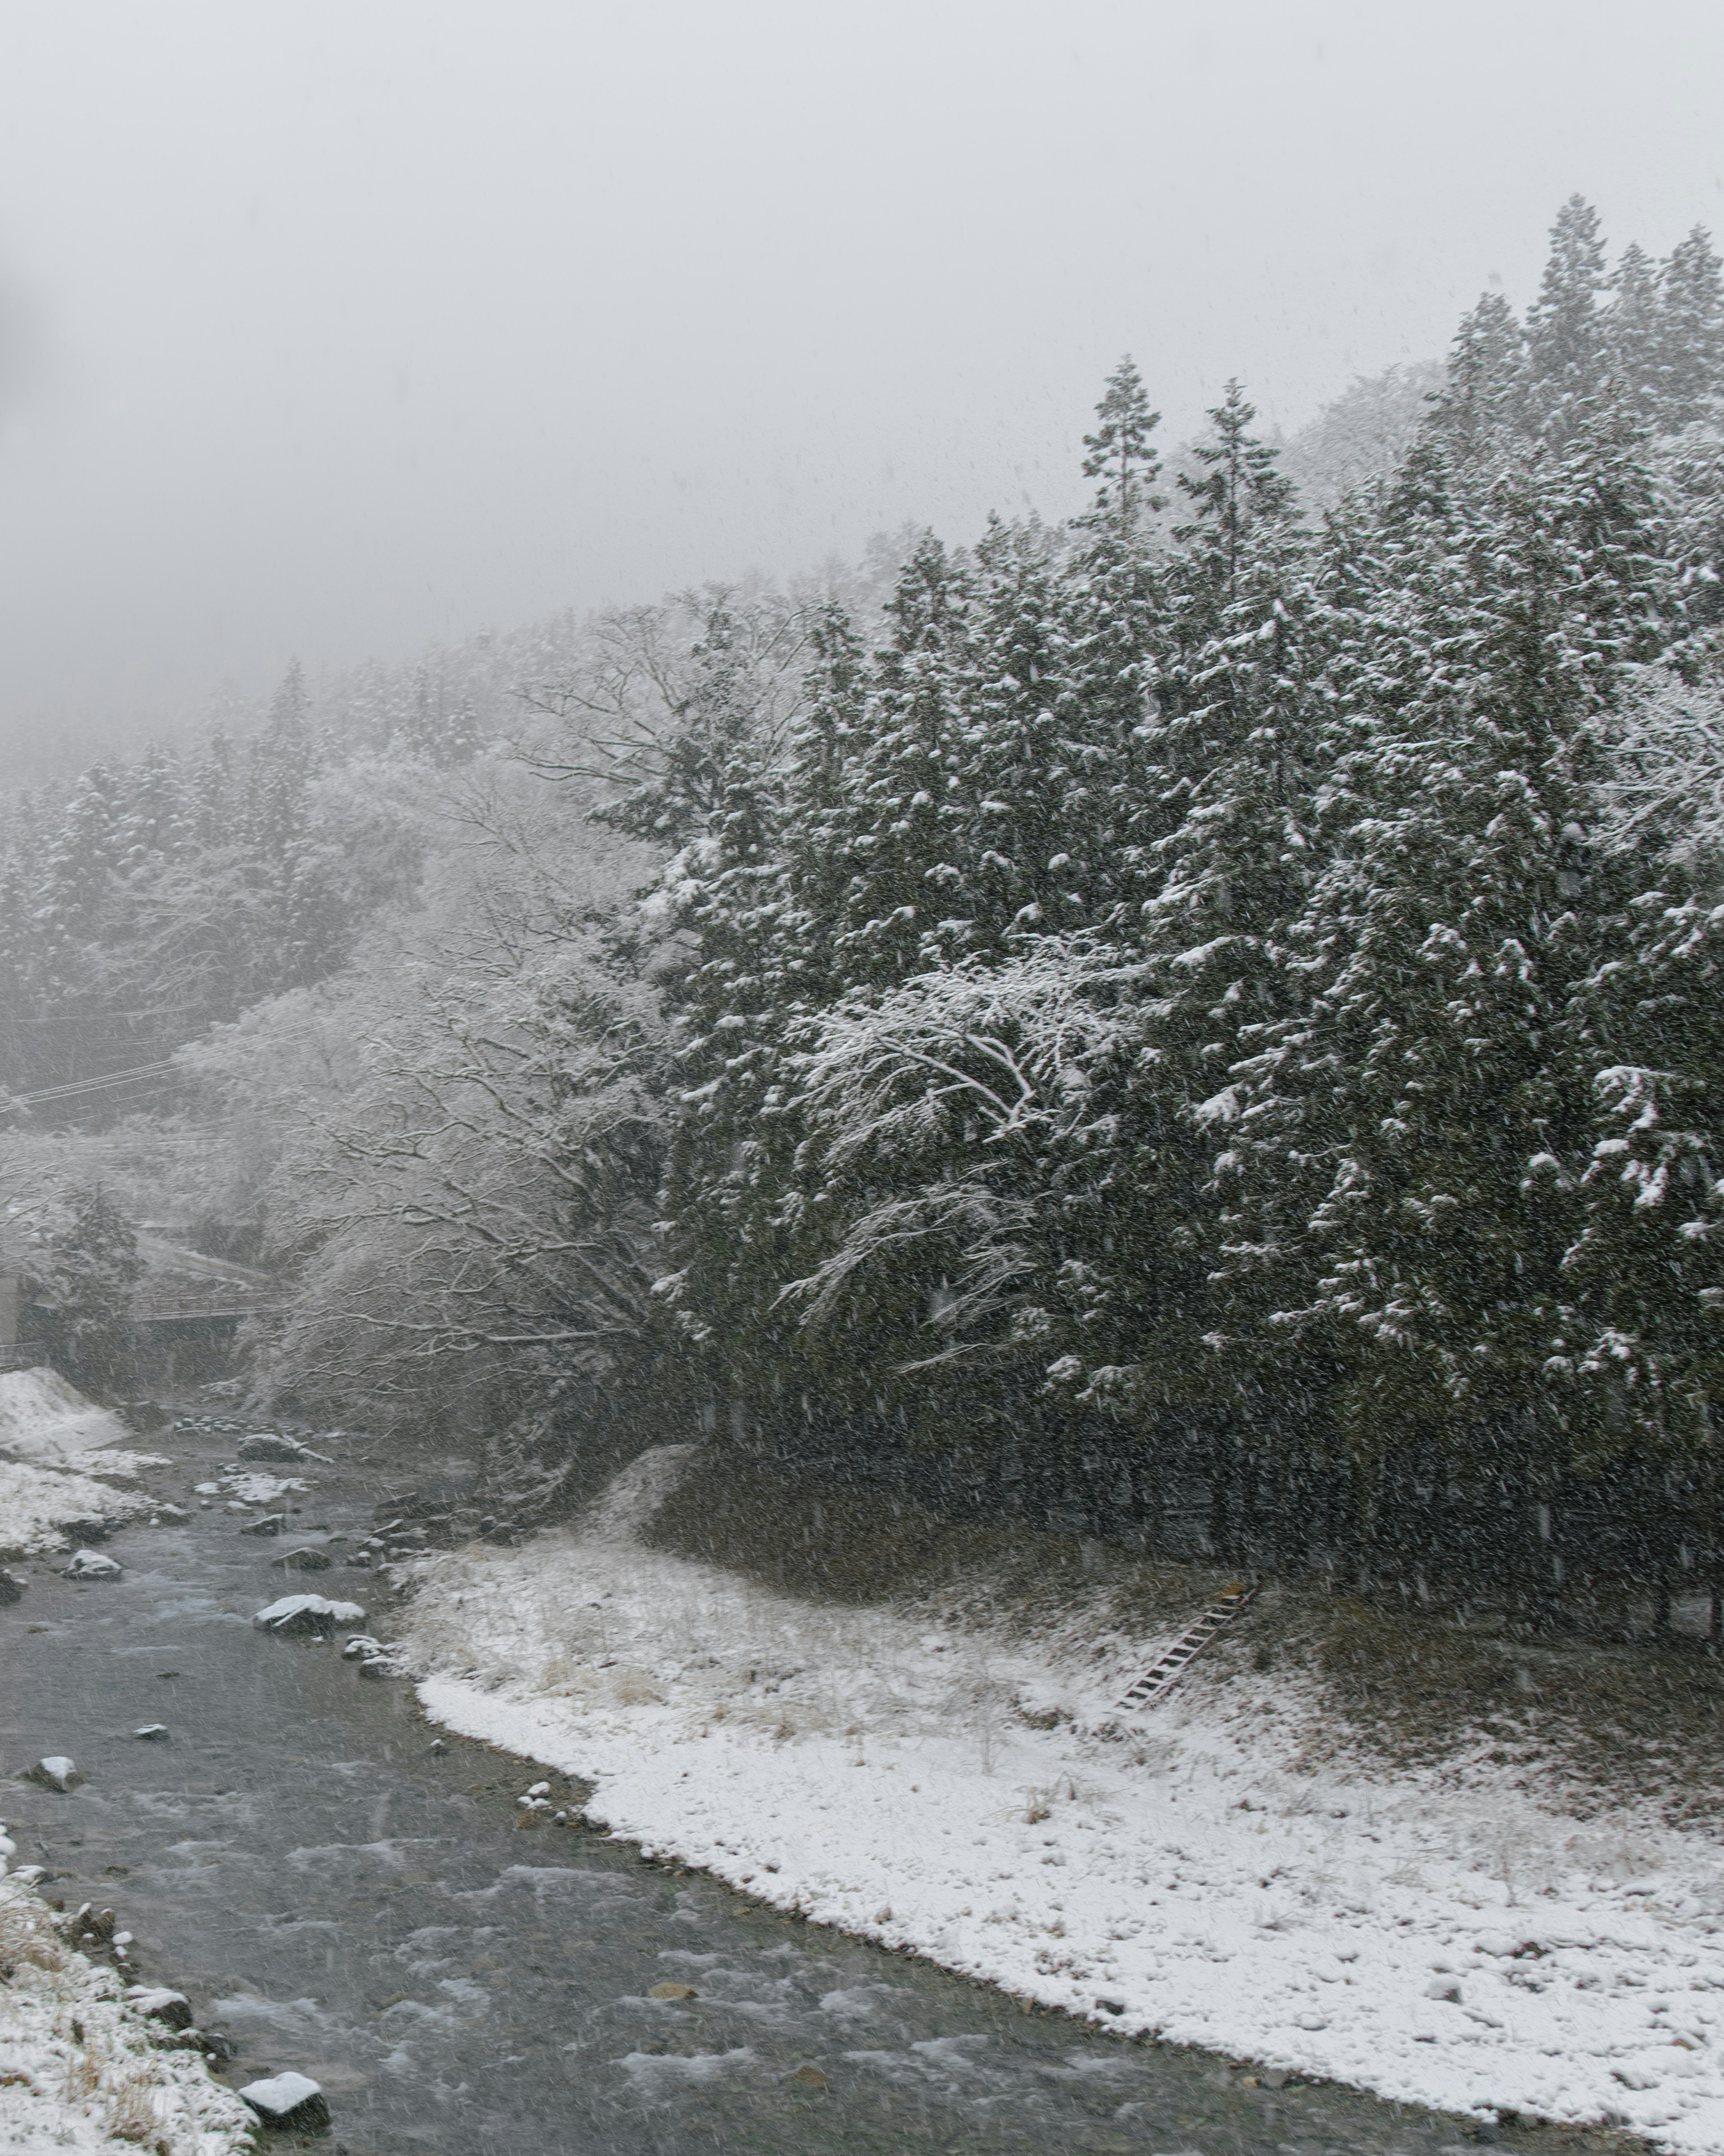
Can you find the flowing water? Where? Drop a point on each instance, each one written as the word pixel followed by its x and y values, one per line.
pixel 337 1898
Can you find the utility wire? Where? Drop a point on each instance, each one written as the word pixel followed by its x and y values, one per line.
pixel 93 1085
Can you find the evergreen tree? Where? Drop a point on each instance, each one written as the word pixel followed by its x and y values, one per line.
pixel 1484 394
pixel 1567 333
pixel 83 1282
pixel 904 901
pixel 1692 345
pixel 1121 455
pixel 1636 331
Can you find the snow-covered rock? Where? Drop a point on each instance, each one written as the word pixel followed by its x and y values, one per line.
pixel 152 1732
pixel 288 2100
pixel 266 1444
pixel 249 1487
pixel 11 1588
pixel 56 1771
pixel 272 1523
pixel 90 1564
pixel 171 2008
pixel 307 1613
pixel 301 1560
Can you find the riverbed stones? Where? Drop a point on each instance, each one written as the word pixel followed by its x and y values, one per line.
pixel 90 1564
pixel 301 1560
pixel 93 1926
pixel 290 2103
pixel 299 1615
pixel 56 1771
pixel 272 1523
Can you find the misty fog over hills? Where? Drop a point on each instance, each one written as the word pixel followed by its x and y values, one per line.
pixel 989 1048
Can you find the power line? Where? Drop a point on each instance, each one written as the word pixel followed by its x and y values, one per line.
pixel 94 1085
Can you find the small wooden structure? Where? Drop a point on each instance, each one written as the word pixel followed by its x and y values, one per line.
pixel 1168 1667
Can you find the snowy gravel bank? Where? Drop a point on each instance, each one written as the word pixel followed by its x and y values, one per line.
pixel 65 1456
pixel 1465 1946
pixel 80 2069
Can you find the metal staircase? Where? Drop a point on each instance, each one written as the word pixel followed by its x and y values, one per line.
pixel 1165 1672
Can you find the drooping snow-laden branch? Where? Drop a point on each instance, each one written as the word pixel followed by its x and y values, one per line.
pixel 931 1114
pixel 1665 791
pixel 1007 1050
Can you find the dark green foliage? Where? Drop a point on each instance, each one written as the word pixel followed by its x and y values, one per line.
pixel 1175 988
pixel 81 1282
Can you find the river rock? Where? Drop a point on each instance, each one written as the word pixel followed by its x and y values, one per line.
pixel 291 2101
pixel 172 2009
pixel 11 1588
pixel 90 1564
pixel 152 1733
pixel 301 1560
pixel 360 1645
pixel 300 1614
pixel 272 1523
pixel 265 1444
pixel 56 1771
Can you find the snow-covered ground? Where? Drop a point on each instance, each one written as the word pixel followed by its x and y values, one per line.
pixel 80 2069
pixel 44 1418
pixel 59 1456
pixel 1453 1941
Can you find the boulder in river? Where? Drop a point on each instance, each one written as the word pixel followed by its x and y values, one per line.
pixel 152 1733
pixel 56 1771
pixel 291 2101
pixel 301 1560
pixel 302 1613
pixel 11 1588
pixel 266 1444
pixel 272 1523
pixel 90 1564
pixel 172 2009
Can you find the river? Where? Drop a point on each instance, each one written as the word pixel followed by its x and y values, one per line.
pixel 337 1897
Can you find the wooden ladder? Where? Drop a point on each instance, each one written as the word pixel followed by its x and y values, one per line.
pixel 1165 1672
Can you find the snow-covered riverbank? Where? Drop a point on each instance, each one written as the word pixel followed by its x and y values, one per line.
pixel 59 1458
pixel 81 2068
pixel 1456 1941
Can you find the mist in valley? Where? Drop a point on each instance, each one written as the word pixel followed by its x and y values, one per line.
pixel 869 864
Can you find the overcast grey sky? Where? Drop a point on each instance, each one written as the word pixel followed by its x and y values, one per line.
pixel 336 327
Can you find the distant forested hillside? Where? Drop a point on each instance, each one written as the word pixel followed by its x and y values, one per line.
pixel 1208 1016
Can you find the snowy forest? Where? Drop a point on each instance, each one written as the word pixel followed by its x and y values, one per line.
pixel 1201 1024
